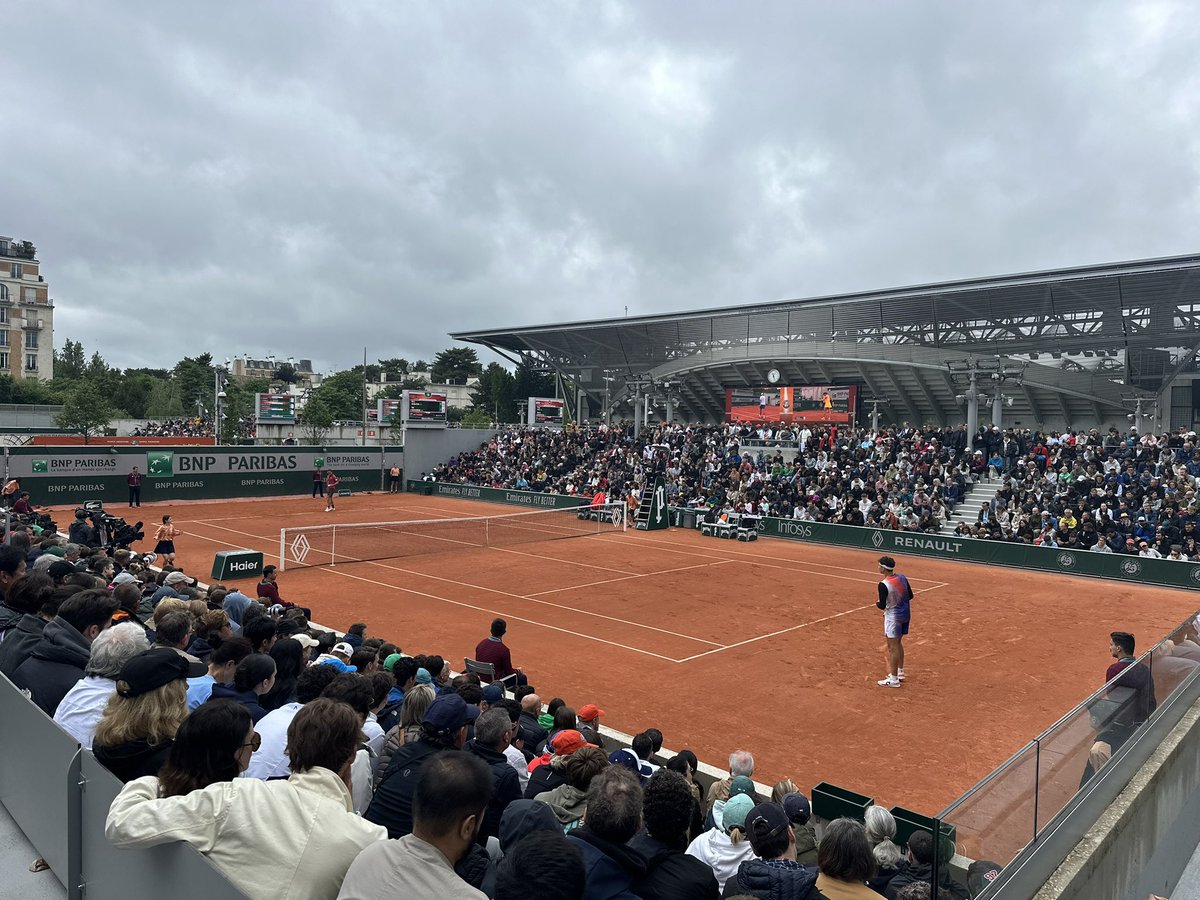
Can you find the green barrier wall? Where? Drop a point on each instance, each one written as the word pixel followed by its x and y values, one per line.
pixel 494 495
pixel 879 540
pixel 62 476
pixel 996 553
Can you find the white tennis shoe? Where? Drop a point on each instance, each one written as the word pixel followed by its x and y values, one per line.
pixel 889 682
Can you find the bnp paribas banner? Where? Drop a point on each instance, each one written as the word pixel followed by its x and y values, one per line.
pixel 66 475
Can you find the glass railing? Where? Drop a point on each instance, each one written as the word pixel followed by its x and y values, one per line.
pixel 1007 811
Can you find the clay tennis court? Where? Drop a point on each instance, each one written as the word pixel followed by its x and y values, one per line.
pixel 771 646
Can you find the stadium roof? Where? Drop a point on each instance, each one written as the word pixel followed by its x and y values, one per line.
pixel 1076 344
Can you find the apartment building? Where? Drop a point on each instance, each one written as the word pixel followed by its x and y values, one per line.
pixel 26 313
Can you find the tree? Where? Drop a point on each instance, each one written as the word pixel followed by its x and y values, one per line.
pixel 476 418
pixel 195 380
pixel 164 401
pixel 455 365
pixel 70 363
pixel 496 394
pixel 394 368
pixel 315 420
pixel 286 373
pixel 86 411
pixel 133 393
pixel 532 383
pixel 342 393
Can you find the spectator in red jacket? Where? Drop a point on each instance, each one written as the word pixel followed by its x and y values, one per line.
pixel 492 650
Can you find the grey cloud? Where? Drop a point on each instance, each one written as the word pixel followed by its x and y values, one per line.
pixel 310 179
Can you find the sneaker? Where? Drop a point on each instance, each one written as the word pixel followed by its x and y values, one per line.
pixel 889 682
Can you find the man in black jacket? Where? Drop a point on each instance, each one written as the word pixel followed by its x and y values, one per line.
pixel 60 657
pixel 12 567
pixel 443 730
pixel 614 815
pixel 773 870
pixel 491 736
pixel 670 873
pixel 532 733
pixel 33 594
pixel 920 868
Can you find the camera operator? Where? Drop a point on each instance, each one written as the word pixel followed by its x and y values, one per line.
pixel 82 533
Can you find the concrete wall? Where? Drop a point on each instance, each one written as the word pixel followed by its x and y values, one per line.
pixel 424 448
pixel 1143 841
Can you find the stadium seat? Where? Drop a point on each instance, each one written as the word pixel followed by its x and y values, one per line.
pixel 487 673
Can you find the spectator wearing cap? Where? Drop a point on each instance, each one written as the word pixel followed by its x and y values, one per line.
pixel 59 658
pixel 589 723
pixel 80 710
pixel 404 672
pixel 493 650
pixel 338 657
pixel 614 816
pixel 980 875
pixel 312 834
pixel 170 583
pixel 741 762
pixel 671 874
pixel 919 867
pixel 492 730
pixel 550 770
pixel 799 813
pixel 775 872
pixel 448 808
pixel 134 735
pixel 724 846
pixel 443 730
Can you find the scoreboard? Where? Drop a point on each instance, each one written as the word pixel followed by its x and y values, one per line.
pixel 423 410
pixel 387 411
pixel 278 409
pixel 545 411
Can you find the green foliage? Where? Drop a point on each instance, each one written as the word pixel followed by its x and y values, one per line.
pixel 532 383
pixel 164 401
pixel 455 365
pixel 496 394
pixel 26 390
pixel 455 414
pixel 287 374
pixel 476 418
pixel 342 393
pixel 315 420
pixel 195 379
pixel 86 411
pixel 70 363
pixel 132 394
pixel 394 368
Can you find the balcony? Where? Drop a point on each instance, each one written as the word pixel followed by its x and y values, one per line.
pixel 18 250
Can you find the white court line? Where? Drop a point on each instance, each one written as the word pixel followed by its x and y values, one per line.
pixel 530 598
pixel 507 615
pixel 775 633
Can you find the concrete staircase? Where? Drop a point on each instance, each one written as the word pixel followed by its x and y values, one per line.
pixel 974 499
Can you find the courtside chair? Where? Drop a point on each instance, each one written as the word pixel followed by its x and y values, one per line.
pixel 487 674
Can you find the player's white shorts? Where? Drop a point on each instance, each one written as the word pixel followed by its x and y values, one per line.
pixel 893 625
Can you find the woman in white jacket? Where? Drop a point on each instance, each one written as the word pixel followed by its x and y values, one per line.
pixel 291 839
pixel 724 847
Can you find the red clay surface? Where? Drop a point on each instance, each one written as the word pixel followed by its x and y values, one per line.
pixel 774 646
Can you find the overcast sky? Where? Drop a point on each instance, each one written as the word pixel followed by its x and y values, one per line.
pixel 303 178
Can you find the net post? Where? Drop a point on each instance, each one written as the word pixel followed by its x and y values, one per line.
pixel 282 545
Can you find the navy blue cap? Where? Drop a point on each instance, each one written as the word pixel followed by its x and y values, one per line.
pixel 449 712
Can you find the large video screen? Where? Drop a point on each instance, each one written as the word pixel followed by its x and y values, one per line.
pixel 814 404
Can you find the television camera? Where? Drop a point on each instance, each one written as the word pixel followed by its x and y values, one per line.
pixel 112 532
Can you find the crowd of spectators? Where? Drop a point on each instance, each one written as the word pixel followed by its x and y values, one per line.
pixel 190 427
pixel 310 765
pixel 1112 492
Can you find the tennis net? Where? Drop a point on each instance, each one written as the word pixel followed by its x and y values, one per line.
pixel 338 544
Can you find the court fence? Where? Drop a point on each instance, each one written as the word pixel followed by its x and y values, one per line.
pixel 72 475
pixel 59 796
pixel 1118 567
